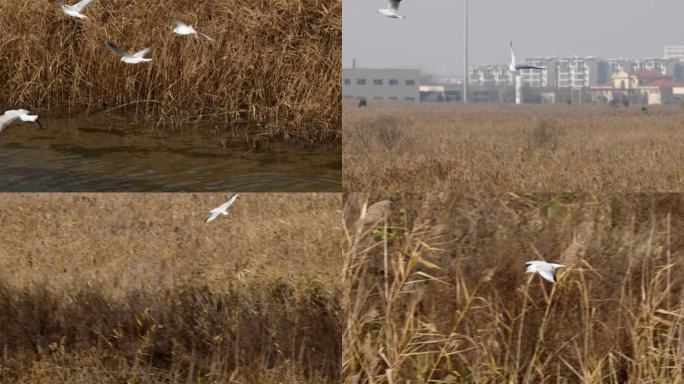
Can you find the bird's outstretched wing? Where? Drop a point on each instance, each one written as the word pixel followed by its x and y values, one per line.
pixel 512 54
pixel 31 119
pixel 548 274
pixel 231 199
pixel 394 5
pixel 113 47
pixel 212 215
pixel 141 53
pixel 81 5
pixel 5 120
pixel 527 66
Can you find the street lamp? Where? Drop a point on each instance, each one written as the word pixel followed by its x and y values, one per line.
pixel 465 77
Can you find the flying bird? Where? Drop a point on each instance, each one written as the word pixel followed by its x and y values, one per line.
pixel 75 10
pixel 185 30
pixel 10 116
pixel 515 67
pixel 391 10
pixel 129 57
pixel 221 209
pixel 544 269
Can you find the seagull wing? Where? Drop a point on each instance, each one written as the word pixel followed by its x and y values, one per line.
pixel 6 120
pixel 548 274
pixel 116 49
pixel 29 118
pixel 212 215
pixel 142 53
pixel 394 5
pixel 512 55
pixel 526 66
pixel 224 207
pixel 231 199
pixel 82 4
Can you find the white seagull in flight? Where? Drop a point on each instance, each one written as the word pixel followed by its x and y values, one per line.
pixel 515 67
pixel 75 10
pixel 184 30
pixel 129 57
pixel 10 116
pixel 391 10
pixel 221 209
pixel 544 269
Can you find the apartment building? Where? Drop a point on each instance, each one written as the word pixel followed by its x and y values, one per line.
pixel 540 79
pixel 620 65
pixel 674 52
pixel 579 72
pixel 666 66
pixel 494 76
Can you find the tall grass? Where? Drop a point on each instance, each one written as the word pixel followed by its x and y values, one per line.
pixel 477 148
pixel 274 64
pixel 435 289
pixel 96 289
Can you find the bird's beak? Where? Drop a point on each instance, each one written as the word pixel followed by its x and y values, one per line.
pixel 39 124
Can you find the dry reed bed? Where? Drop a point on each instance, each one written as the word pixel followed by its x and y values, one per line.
pixel 428 147
pixel 274 64
pixel 435 289
pixel 103 288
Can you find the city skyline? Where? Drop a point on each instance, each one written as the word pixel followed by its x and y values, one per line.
pixel 422 42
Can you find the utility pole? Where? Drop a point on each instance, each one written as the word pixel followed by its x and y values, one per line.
pixel 465 77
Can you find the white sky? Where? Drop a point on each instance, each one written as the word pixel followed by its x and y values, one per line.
pixel 431 38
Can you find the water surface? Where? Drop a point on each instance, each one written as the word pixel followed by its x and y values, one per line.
pixel 106 152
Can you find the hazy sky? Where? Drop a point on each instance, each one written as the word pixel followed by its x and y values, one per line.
pixel 431 38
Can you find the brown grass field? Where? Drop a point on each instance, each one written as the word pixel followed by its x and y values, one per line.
pixel 488 148
pixel 273 64
pixel 135 288
pixel 435 289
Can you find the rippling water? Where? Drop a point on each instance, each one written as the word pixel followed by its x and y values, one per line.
pixel 111 153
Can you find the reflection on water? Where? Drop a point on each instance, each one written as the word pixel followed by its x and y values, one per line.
pixel 110 153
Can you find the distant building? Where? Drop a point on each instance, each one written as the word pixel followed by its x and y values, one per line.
pixel 674 52
pixel 540 79
pixel 494 76
pixel 381 84
pixel 640 86
pixel 666 66
pixel 645 76
pixel 579 72
pixel 616 66
pixel 624 81
pixel 432 93
pixel 441 93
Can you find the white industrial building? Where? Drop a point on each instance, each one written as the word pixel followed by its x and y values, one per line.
pixel 381 84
